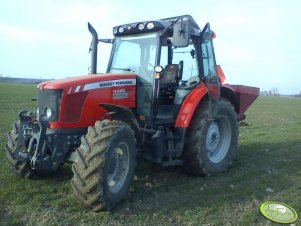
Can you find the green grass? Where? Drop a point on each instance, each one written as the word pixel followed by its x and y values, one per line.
pixel 269 156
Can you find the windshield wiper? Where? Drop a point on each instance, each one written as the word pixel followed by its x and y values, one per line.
pixel 121 69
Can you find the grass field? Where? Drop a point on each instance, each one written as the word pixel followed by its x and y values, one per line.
pixel 267 167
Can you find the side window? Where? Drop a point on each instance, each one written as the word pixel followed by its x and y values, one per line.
pixel 205 58
pixel 208 58
pixel 188 56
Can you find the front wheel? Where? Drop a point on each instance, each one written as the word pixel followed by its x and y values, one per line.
pixel 105 165
pixel 211 144
pixel 22 168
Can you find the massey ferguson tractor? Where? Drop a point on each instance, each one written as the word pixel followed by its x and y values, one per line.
pixel 163 98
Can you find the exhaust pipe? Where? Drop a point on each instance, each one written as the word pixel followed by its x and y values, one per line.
pixel 93 49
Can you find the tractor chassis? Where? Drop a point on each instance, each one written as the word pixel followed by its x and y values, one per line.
pixel 163 145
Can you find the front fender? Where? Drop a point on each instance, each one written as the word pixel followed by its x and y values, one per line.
pixel 124 114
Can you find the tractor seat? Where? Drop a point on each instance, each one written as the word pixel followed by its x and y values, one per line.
pixel 170 76
pixel 169 81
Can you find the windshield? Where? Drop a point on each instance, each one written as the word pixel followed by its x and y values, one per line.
pixel 135 54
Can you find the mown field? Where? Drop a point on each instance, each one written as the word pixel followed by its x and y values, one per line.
pixel 267 167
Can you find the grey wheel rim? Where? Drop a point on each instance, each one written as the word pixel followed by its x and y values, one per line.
pixel 118 167
pixel 218 139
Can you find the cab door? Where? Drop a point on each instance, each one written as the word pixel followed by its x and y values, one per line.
pixel 209 73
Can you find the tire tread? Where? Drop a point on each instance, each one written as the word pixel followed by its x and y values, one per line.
pixel 88 181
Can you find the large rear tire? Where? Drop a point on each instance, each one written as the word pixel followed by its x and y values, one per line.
pixel 211 144
pixel 104 165
pixel 22 168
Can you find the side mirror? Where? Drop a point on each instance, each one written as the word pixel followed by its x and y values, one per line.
pixel 181 33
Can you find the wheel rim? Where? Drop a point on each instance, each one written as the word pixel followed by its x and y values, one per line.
pixel 218 139
pixel 118 167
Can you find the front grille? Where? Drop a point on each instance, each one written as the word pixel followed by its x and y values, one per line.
pixel 50 98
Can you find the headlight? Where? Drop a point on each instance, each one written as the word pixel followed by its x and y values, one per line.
pixel 150 25
pixel 141 26
pixel 49 102
pixel 120 29
pixel 48 112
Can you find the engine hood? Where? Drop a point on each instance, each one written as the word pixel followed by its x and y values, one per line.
pixel 83 80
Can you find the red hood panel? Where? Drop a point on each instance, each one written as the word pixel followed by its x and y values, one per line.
pixel 81 80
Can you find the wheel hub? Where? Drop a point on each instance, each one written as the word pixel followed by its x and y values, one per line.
pixel 212 138
pixel 118 169
pixel 218 139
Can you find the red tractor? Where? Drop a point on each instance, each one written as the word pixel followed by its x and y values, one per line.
pixel 162 98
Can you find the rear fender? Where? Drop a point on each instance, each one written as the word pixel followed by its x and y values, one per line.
pixel 228 93
pixel 189 105
pixel 196 96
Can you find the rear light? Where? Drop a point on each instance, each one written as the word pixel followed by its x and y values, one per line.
pixel 213 35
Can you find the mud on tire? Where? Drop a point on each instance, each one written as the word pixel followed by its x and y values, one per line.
pixel 211 144
pixel 22 168
pixel 104 165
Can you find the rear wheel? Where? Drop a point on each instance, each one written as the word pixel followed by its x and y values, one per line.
pixel 105 164
pixel 21 167
pixel 211 144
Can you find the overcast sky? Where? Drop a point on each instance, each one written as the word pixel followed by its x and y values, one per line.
pixel 258 41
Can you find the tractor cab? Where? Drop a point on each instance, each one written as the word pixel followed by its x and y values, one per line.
pixel 170 57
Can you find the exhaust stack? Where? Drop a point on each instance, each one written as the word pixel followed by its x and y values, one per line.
pixel 93 48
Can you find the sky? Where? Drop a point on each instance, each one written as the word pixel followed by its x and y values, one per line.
pixel 257 42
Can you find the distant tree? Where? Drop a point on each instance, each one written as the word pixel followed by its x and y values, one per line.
pixel 274 91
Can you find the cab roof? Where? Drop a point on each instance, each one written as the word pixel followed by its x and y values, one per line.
pixel 156 25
